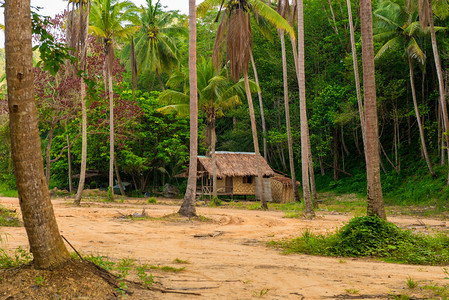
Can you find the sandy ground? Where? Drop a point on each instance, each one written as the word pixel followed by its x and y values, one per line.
pixel 235 264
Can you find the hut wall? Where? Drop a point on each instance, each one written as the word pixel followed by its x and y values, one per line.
pixel 221 185
pixel 241 188
pixel 281 193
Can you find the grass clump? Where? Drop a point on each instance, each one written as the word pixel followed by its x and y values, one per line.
pixel 19 257
pixel 167 268
pixel 152 200
pixel 373 237
pixel 8 218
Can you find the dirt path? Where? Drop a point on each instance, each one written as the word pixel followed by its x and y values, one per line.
pixel 235 264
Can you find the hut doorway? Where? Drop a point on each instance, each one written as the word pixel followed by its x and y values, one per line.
pixel 229 184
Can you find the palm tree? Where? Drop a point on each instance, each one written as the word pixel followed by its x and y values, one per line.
pixel 46 244
pixel 375 204
pixel 188 205
pixel 78 19
pixel 155 45
pixel 235 30
pixel 108 19
pixel 303 113
pixel 398 28
pixel 216 94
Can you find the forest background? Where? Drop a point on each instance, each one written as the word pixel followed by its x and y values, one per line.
pixel 152 142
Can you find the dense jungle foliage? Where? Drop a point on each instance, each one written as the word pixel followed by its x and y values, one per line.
pixel 152 141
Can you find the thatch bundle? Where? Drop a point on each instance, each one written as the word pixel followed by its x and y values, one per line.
pixel 285 180
pixel 232 164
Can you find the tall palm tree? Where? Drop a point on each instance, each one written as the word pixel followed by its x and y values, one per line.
pixel 283 9
pixel 398 28
pixel 155 43
pixel 235 32
pixel 78 19
pixel 375 205
pixel 303 113
pixel 188 205
pixel 108 21
pixel 216 94
pixel 46 244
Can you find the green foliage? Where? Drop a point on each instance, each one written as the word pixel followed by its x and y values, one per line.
pixel 146 279
pixel 372 236
pixel 40 281
pixel 19 257
pixel 167 268
pixel 152 200
pixel 180 261
pixel 215 201
pixel 8 218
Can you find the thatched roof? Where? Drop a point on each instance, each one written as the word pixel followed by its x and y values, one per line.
pixel 232 164
pixel 284 180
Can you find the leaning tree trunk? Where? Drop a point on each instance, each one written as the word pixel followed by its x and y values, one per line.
pixel 84 21
pixel 46 244
pixel 375 204
pixel 48 153
pixel 440 79
pixel 418 118
pixel 259 180
pixel 303 112
pixel 262 114
pixel 356 72
pixel 119 179
pixel 69 162
pixel 287 118
pixel 188 205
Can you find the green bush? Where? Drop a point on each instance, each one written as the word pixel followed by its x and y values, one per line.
pixel 373 237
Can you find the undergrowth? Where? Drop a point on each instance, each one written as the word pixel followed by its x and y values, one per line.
pixel 8 218
pixel 373 237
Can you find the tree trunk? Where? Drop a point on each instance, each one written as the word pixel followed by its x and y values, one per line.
pixel 46 244
pixel 312 179
pixel 287 118
pixel 119 179
pixel 160 80
pixel 356 72
pixel 214 163
pixel 188 205
pixel 110 58
pixel 262 115
pixel 48 152
pixel 83 63
pixel 440 79
pixel 260 194
pixel 69 162
pixel 303 112
pixel 375 205
pixel 418 118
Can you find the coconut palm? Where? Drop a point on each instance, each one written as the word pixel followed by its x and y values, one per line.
pixel 399 28
pixel 108 19
pixel 188 205
pixel 234 33
pixel 375 205
pixel 78 21
pixel 216 95
pixel 155 43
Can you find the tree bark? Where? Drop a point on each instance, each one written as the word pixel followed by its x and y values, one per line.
pixel 188 205
pixel 160 80
pixel 46 244
pixel 214 163
pixel 375 205
pixel 110 57
pixel 287 118
pixel 303 112
pixel 262 115
pixel 119 179
pixel 440 79
pixel 69 162
pixel 48 152
pixel 260 194
pixel 418 118
pixel 83 62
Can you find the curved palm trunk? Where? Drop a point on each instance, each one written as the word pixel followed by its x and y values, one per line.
pixel 303 112
pixel 287 118
pixel 259 180
pixel 46 244
pixel 188 205
pixel 375 204
pixel 356 72
pixel 83 61
pixel 262 115
pixel 418 118
pixel 440 78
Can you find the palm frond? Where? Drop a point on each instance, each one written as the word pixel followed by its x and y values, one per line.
pixel 391 44
pixel 272 16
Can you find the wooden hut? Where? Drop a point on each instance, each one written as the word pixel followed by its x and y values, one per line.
pixel 236 174
pixel 282 189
